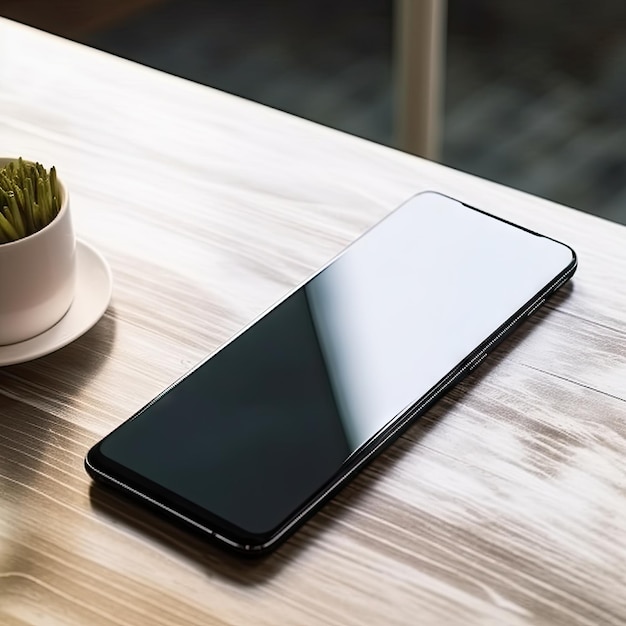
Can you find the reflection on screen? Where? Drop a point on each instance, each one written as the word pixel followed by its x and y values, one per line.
pixel 271 418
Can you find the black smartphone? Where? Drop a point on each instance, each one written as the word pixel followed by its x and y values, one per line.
pixel 253 440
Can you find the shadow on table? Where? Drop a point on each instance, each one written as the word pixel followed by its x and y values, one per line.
pixel 252 571
pixel 78 362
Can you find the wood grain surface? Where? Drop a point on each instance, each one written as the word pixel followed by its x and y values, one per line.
pixel 506 504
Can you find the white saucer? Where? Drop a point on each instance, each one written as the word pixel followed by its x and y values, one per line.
pixel 94 284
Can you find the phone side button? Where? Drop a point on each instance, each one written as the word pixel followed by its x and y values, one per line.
pixel 478 361
pixel 535 307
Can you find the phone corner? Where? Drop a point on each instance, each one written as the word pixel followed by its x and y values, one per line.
pixel 89 462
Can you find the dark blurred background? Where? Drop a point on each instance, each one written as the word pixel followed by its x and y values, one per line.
pixel 535 93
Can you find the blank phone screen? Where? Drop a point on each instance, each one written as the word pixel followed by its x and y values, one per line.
pixel 271 418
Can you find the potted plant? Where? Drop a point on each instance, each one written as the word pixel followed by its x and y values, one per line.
pixel 37 250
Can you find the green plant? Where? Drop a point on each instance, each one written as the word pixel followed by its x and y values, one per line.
pixel 30 199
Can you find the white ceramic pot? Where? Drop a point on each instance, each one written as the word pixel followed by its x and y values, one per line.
pixel 37 275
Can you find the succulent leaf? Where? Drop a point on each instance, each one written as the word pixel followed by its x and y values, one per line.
pixel 30 199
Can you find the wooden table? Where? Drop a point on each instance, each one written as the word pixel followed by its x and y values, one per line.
pixel 506 504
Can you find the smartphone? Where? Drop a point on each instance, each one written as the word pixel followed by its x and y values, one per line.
pixel 253 440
